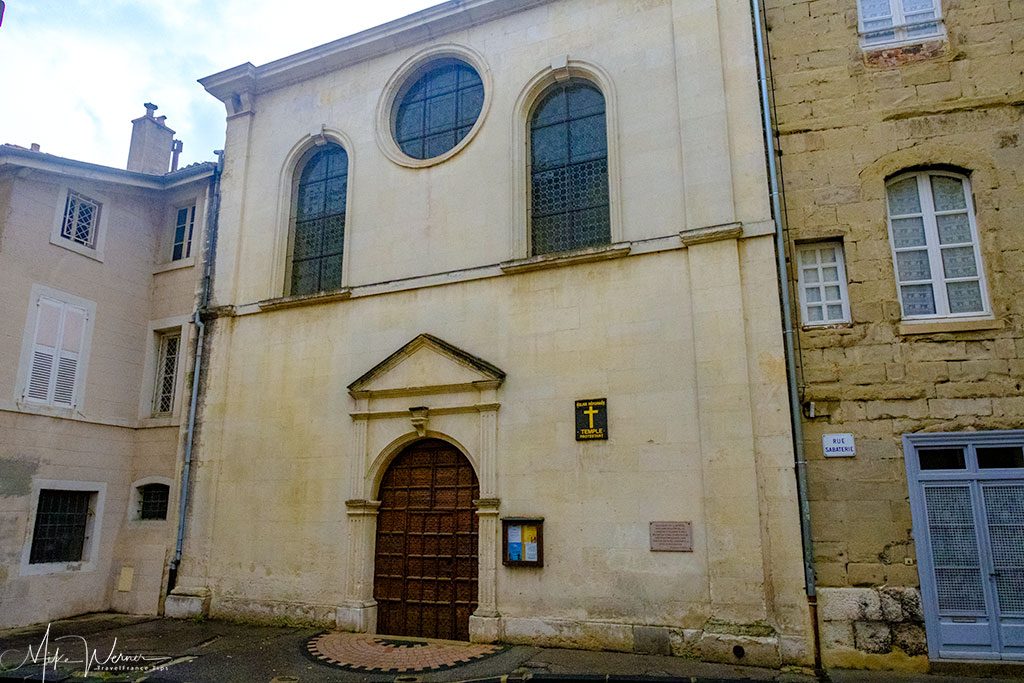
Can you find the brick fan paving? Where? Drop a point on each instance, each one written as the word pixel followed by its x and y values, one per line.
pixel 393 654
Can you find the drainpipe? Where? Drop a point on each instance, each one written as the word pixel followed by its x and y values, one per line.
pixel 787 326
pixel 212 212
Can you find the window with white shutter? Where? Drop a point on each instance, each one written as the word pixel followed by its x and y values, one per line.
pixel 59 329
pixel 895 22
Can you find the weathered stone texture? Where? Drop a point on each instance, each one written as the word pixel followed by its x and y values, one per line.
pixel 847 119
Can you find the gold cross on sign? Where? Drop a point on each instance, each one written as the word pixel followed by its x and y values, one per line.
pixel 591 412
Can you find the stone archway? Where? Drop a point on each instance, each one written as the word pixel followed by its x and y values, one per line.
pixel 425 562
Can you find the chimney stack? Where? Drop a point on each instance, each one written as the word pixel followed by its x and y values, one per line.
pixel 152 142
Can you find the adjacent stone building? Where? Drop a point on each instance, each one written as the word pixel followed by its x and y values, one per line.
pixel 899 124
pixel 446 244
pixel 99 272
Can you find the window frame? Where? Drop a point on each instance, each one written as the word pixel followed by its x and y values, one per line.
pixel 134 507
pixel 899 27
pixel 39 292
pixel 190 226
pixel 163 341
pixel 93 531
pixel 933 246
pixel 96 250
pixel 293 209
pixel 540 98
pixel 177 325
pixel 844 295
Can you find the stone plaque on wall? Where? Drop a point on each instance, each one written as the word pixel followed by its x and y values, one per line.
pixel 672 537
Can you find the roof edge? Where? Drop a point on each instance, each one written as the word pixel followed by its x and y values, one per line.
pixel 25 158
pixel 406 31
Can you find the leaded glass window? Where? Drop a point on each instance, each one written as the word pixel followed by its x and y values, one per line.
pixel 569 169
pixel 439 109
pixel 61 521
pixel 935 246
pixel 166 373
pixel 319 233
pixel 81 220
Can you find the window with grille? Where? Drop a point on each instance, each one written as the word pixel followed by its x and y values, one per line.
pixel 439 109
pixel 62 522
pixel 821 277
pixel 153 501
pixel 935 246
pixel 184 223
pixel 166 373
pixel 81 220
pixel 892 22
pixel 56 355
pixel 569 169
pixel 318 235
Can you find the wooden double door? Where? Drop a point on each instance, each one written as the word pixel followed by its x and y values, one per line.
pixel 425 570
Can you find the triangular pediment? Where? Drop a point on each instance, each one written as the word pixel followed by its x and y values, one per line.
pixel 427 365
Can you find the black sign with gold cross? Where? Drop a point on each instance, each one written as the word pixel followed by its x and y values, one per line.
pixel 591 419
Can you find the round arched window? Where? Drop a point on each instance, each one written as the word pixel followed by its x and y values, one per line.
pixel 439 107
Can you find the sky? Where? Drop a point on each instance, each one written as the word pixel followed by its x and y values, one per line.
pixel 74 73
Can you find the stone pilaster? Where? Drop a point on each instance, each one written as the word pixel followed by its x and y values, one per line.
pixel 484 624
pixel 359 613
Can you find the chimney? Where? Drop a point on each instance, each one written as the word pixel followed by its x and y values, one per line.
pixel 152 141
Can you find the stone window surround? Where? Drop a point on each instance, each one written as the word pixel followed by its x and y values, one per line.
pixel 156 328
pixel 164 260
pixel 28 341
pixel 560 70
pixel 290 173
pixel 96 251
pixel 405 75
pixel 932 241
pixel 94 527
pixel 134 499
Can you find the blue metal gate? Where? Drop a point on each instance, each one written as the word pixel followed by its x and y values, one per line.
pixel 967 501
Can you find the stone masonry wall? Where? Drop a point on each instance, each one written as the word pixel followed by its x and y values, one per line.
pixel 847 120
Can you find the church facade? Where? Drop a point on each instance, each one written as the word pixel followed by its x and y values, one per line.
pixel 493 343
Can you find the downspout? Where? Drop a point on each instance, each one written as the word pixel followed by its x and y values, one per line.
pixel 787 327
pixel 212 212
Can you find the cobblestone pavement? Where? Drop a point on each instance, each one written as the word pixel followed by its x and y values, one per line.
pixel 117 648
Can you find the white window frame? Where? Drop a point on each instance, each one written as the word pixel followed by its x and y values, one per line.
pixel 901 23
pixel 163 343
pixel 938 279
pixel 803 285
pixel 94 527
pixel 157 329
pixel 94 251
pixel 28 346
pixel 189 232
pixel 135 500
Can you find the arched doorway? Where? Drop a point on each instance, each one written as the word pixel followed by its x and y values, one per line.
pixel 425 569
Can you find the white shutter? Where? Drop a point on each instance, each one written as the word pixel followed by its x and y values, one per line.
pixel 70 349
pixel 56 350
pixel 44 349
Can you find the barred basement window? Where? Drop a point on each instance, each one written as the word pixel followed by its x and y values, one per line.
pixel 318 234
pixel 81 220
pixel 166 373
pixel 62 518
pixel 183 226
pixel 935 246
pixel 896 22
pixel 569 169
pixel 153 501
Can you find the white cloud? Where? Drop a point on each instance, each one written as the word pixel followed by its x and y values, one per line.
pixel 75 72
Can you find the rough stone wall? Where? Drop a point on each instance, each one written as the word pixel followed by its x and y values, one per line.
pixel 847 119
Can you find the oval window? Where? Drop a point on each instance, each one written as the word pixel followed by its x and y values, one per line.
pixel 439 107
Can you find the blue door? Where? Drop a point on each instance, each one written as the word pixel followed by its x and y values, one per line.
pixel 967 500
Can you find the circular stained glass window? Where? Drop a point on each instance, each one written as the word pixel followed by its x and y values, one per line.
pixel 439 109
